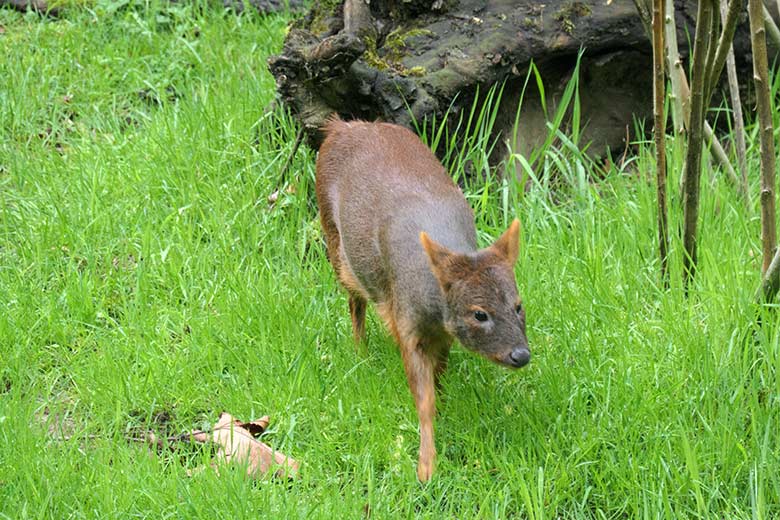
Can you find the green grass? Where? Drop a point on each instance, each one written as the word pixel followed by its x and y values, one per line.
pixel 145 283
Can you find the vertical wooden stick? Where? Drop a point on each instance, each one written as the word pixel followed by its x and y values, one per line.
pixel 692 173
pixel 766 130
pixel 681 95
pixel 736 107
pixel 729 19
pixel 771 26
pixel 659 131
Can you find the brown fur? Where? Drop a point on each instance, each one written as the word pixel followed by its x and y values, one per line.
pixel 400 233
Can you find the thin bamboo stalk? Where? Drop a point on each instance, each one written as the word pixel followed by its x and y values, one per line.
pixel 736 108
pixel 659 130
pixel 766 131
pixel 724 42
pixel 692 173
pixel 681 96
pixel 771 27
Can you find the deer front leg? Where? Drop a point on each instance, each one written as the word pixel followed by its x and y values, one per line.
pixel 419 366
pixel 441 358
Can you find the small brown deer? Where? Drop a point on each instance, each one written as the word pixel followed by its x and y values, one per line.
pixel 400 233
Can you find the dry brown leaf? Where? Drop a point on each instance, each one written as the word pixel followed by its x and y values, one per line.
pixel 256 427
pixel 238 445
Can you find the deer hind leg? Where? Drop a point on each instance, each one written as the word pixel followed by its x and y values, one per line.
pixel 331 232
pixel 357 310
pixel 357 298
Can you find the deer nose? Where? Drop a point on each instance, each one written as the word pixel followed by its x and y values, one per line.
pixel 520 357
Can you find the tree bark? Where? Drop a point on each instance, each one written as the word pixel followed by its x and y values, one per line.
pixel 766 131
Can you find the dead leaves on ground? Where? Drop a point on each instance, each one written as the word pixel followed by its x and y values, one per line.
pixel 236 442
pixel 238 445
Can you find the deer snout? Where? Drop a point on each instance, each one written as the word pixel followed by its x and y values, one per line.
pixel 519 357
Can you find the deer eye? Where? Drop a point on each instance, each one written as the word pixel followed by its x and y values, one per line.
pixel 480 316
pixel 519 308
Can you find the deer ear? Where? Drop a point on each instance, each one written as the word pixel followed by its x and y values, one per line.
pixel 508 244
pixel 439 258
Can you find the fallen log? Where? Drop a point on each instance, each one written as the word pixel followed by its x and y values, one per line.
pixel 407 60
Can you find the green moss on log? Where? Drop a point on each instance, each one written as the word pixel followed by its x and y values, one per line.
pixel 394 50
pixel 568 13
